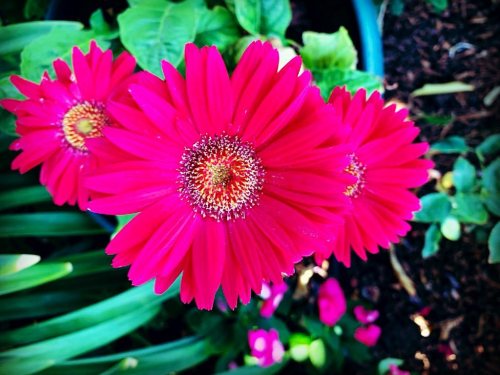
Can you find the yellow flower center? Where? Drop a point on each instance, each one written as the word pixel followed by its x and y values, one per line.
pixel 83 120
pixel 357 169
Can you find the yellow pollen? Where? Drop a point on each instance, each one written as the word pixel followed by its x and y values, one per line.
pixel 82 121
pixel 356 169
pixel 221 174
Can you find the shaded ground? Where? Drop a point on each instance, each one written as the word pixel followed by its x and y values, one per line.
pixel 457 289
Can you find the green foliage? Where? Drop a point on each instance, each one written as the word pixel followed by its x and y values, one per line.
pixel 432 238
pixel 489 147
pixel 216 27
pixel 442 88
pixel 266 17
pixel 450 145
pixel 12 263
pixel 494 244
pixel 383 365
pixel 464 175
pixel 23 196
pixel 435 208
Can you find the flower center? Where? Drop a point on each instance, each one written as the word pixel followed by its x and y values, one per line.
pixel 357 169
pixel 221 177
pixel 82 121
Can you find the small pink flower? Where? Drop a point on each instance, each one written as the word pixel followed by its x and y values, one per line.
pixel 331 302
pixel 395 370
pixel 364 315
pixel 368 335
pixel 272 296
pixel 266 346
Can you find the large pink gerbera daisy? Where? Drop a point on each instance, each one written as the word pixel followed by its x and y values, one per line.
pixel 385 164
pixel 234 179
pixel 58 116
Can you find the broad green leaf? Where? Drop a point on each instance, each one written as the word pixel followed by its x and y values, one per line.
pixel 158 359
pixel 442 88
pixel 98 313
pixel 88 263
pixel 327 79
pixel 266 17
pixel 13 38
pixel 383 365
pixel 299 347
pixel 101 27
pixel 432 239
pixel 216 27
pixel 12 263
pixel 494 244
pixel 469 209
pixel 154 30
pixel 491 177
pixel 450 145
pixel 7 119
pixel 47 224
pixel 33 276
pixel 23 196
pixel 35 357
pixel 39 55
pixel 450 228
pixel 325 51
pixel 435 208
pixel 317 353
pixel 489 147
pixel 464 175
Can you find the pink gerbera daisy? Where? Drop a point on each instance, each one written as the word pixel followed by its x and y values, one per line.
pixel 234 179
pixel 58 116
pixel 385 164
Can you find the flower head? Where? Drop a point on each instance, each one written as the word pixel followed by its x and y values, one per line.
pixel 395 370
pixel 272 295
pixel 368 335
pixel 331 302
pixel 364 315
pixel 385 164
pixel 234 179
pixel 58 116
pixel 266 346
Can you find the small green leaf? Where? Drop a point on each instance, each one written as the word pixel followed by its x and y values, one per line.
pixel 47 224
pixel 216 27
pixel 327 79
pixel 33 276
pixel 450 227
pixel 299 347
pixel 442 88
pixel 13 38
pixel 491 176
pixel 101 27
pixel 469 209
pixel 88 263
pixel 439 120
pixel 383 365
pixel 489 147
pixel 325 51
pixel 494 244
pixel 450 145
pixel 435 208
pixel 12 263
pixel 464 175
pixel 248 14
pixel 439 5
pixel 432 239
pixel 23 196
pixel 317 353
pixel 154 30
pixel 266 17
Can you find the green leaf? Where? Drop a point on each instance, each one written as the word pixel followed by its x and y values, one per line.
pixel 47 224
pixel 450 227
pixel 440 120
pixel 35 9
pixel 432 239
pixel 491 176
pixel 12 263
pixel 383 365
pixel 464 175
pixel 442 88
pixel 33 358
pixel 23 196
pixel 154 30
pixel 7 119
pixel 317 353
pixel 489 147
pixel 216 27
pixel 267 17
pixel 439 5
pixel 435 208
pixel 101 27
pixel 327 79
pixel 494 244
pixel 325 51
pixel 89 316
pixel 13 38
pixel 39 55
pixel 88 263
pixel 450 145
pixel 469 209
pixel 33 276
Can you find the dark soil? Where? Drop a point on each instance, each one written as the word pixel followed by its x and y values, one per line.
pixel 457 290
